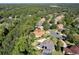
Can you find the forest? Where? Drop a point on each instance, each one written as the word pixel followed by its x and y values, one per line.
pixel 22 25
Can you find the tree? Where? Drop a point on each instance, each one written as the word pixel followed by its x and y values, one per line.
pixel 46 25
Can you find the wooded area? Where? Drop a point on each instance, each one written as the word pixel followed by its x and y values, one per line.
pixel 18 21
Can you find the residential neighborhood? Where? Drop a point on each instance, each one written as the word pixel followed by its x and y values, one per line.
pixel 46 45
pixel 39 29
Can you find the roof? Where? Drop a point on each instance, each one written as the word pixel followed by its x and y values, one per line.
pixel 38 32
pixel 47 43
pixel 47 46
pixel 60 26
pixel 46 52
pixel 73 49
pixel 40 22
pixel 59 18
pixel 58 35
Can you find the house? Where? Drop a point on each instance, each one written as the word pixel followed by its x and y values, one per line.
pixel 58 35
pixel 40 23
pixel 60 27
pixel 59 18
pixel 47 47
pixel 72 50
pixel 39 32
pixel 46 52
pixel 40 41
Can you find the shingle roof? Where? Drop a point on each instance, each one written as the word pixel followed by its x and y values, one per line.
pixel 47 46
pixel 57 35
pixel 48 43
pixel 46 52
pixel 60 26
pixel 72 49
pixel 59 18
pixel 38 32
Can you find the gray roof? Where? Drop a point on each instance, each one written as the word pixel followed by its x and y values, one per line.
pixel 57 35
pixel 47 46
pixel 46 52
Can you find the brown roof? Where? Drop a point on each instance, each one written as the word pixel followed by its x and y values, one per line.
pixel 43 19
pixel 38 32
pixel 72 49
pixel 75 49
pixel 67 50
pixel 60 17
pixel 60 26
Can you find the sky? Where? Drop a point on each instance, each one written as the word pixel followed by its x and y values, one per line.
pixel 39 1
